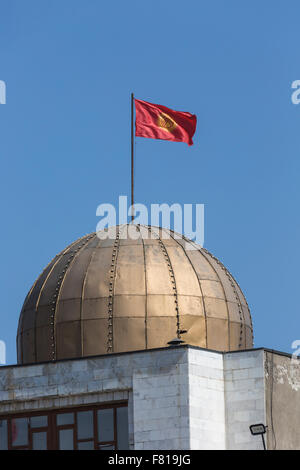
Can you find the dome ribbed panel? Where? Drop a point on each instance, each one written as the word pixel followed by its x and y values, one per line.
pixel 100 296
pixel 35 330
pixel 68 315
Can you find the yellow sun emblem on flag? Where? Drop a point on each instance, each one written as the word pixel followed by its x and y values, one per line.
pixel 166 122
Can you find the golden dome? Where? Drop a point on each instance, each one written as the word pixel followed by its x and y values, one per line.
pixel 123 294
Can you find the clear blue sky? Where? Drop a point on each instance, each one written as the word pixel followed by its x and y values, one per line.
pixel 69 67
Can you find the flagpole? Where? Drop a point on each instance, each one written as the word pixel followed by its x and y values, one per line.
pixel 132 159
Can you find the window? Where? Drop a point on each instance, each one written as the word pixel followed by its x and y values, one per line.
pixel 96 427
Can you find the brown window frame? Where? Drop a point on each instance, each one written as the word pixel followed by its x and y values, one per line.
pixel 53 428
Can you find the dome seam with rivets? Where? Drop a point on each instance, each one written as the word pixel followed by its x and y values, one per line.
pixel 145 275
pixel 173 281
pixel 235 292
pixel 72 256
pixel 112 277
pixel 200 287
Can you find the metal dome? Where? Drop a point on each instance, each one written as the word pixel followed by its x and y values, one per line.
pixel 120 294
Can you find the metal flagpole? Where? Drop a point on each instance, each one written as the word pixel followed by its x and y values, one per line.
pixel 132 160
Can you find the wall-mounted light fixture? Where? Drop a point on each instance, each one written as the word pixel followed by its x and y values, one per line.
pixel 257 429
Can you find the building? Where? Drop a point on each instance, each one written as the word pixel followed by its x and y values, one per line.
pixel 143 340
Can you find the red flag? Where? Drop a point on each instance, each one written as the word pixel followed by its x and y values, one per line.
pixel 159 122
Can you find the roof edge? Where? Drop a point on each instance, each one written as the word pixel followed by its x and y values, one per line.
pixel 166 348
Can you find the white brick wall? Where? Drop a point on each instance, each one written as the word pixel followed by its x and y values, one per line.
pixel 155 383
pixel 160 409
pixel 206 400
pixel 178 398
pixel 244 398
